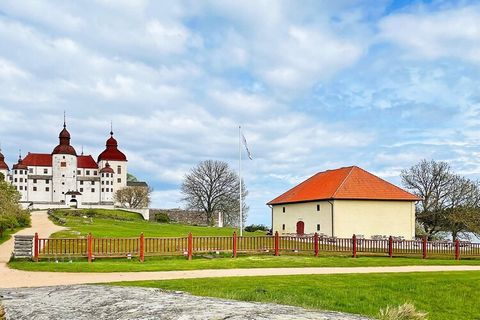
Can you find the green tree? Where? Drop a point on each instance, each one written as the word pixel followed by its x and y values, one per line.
pixel 11 214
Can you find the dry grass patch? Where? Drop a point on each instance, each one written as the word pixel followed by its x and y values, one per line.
pixel 406 311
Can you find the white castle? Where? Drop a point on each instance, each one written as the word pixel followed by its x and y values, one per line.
pixel 64 179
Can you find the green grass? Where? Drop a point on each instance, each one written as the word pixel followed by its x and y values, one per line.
pixel 444 295
pixel 260 261
pixel 118 223
pixel 7 234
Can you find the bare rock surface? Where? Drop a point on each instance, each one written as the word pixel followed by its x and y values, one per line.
pixel 112 302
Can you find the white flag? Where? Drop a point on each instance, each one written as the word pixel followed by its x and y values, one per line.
pixel 246 147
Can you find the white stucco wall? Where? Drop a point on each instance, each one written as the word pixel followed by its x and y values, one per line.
pixel 64 177
pixel 306 212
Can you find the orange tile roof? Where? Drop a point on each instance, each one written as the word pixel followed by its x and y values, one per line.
pixel 351 183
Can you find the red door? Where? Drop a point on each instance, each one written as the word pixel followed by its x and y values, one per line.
pixel 300 227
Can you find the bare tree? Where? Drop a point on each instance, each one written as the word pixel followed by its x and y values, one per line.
pixel 213 187
pixel 134 196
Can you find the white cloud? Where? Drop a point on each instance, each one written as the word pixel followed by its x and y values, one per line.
pixel 446 33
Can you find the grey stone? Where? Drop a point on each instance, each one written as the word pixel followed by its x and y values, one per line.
pixel 112 302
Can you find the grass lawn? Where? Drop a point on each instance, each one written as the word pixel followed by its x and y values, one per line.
pixel 260 261
pixel 444 295
pixel 118 223
pixel 7 234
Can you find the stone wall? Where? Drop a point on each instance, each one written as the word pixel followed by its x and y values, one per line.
pixel 182 216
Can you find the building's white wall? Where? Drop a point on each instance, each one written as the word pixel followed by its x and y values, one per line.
pixel 39 190
pixel 119 179
pixel 306 212
pixel 64 177
pixel 107 187
pixel 20 181
pixel 90 189
pixel 374 217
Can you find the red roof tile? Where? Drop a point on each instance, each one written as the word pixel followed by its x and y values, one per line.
pixel 3 165
pixel 86 162
pixel 344 183
pixel 38 159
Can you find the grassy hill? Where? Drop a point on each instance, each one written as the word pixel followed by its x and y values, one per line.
pixel 119 223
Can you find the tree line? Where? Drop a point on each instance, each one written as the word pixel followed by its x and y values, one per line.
pixel 450 202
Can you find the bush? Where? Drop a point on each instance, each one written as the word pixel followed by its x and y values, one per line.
pixel 162 217
pixel 256 227
pixel 406 311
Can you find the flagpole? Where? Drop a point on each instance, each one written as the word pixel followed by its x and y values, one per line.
pixel 240 176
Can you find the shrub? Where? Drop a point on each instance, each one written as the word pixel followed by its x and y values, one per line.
pixel 256 227
pixel 406 311
pixel 162 217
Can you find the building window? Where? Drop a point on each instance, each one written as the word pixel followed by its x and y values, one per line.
pixel 16 179
pixel 79 172
pixel 95 173
pixel 103 182
pixel 103 190
pixel 63 192
pixel 63 183
pixel 34 180
pixel 21 179
pixel 93 183
pixel 119 180
pixel 119 170
pixel 103 175
pixel 318 227
pixel 81 189
pixel 47 181
pixel 93 189
pixel 15 171
pixel 283 209
pixel 63 164
pixel 45 171
pixel 81 183
pixel 318 207
pixel 63 157
pixel 87 172
pixel 283 227
pixel 34 188
pixel 47 189
pixel 21 187
pixel 30 170
pixel 73 196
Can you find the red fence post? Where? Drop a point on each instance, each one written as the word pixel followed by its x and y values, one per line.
pixel 89 247
pixel 315 241
pixel 457 250
pixel 190 246
pixel 390 246
pixel 424 248
pixel 354 246
pixel 35 247
pixel 277 243
pixel 142 247
pixel 234 244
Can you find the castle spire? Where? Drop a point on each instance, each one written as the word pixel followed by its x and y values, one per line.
pixel 64 119
pixel 111 127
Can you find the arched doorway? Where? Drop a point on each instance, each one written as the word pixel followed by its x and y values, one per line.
pixel 300 227
pixel 73 203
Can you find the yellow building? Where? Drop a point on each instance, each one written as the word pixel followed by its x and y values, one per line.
pixel 343 202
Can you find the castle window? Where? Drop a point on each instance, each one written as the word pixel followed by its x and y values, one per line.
pixel 103 175
pixel 47 181
pixel 119 169
pixel 318 207
pixel 318 227
pixel 63 176
pixel 16 179
pixel 103 190
pixel 21 179
pixel 63 183
pixel 15 171
pixel 47 189
pixel 21 187
pixel 87 172
pixel 283 209
pixel 119 180
pixel 93 189
pixel 95 173
pixel 34 188
pixel 93 183
pixel 34 180
pixel 81 183
pixel 45 171
pixel 63 157
pixel 81 189
pixel 63 164
pixel 283 226
pixel 79 172
pixel 103 182
pixel 30 170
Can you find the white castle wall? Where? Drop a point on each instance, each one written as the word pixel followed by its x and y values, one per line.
pixel 64 175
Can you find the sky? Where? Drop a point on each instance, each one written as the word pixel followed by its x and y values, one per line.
pixel 316 85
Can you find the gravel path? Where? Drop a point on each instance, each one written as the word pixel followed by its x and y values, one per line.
pixel 109 302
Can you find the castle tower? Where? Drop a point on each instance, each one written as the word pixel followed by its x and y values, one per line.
pixel 106 180
pixel 3 166
pixel 20 174
pixel 64 167
pixel 117 161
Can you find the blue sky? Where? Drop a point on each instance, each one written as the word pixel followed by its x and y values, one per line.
pixel 316 85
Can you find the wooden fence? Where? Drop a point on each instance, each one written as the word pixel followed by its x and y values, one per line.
pixel 92 247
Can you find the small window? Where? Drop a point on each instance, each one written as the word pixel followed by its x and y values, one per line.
pixel 34 180
pixel 34 188
pixel 63 164
pixel 87 172
pixel 93 189
pixel 93 183
pixel 45 171
pixel 283 209
pixel 63 192
pixel 21 187
pixel 63 183
pixel 119 170
pixel 73 196
pixel 318 227
pixel 63 176
pixel 95 173
pixel 283 227
pixel 16 171
pixel 16 180
pixel 63 157
pixel 47 189
pixel 81 183
pixel 103 190
pixel 81 189
pixel 103 182
pixel 318 207
pixel 79 172
pixel 47 181
pixel 30 170
pixel 21 179
pixel 119 180
pixel 103 175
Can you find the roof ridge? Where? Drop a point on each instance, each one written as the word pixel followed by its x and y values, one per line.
pixel 343 182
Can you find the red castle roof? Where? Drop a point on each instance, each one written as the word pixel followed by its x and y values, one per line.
pixel 64 147
pixel 38 160
pixel 111 152
pixel 86 162
pixel 3 165
pixel 352 183
pixel 107 169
